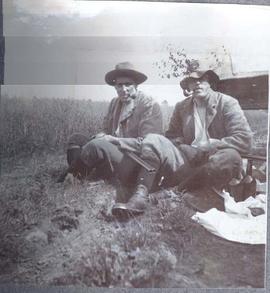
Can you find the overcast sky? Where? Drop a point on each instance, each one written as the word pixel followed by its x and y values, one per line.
pixel 64 47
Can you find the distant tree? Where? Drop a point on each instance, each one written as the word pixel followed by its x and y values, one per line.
pixel 179 64
pixel 165 103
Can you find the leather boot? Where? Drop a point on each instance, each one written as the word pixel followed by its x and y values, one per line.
pixel 139 199
pixel 195 178
pixel 135 206
pixel 123 192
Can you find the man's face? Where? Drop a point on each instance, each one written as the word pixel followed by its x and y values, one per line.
pixel 125 88
pixel 199 86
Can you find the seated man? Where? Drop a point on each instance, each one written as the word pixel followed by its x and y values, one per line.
pixel 131 116
pixel 213 123
pixel 208 131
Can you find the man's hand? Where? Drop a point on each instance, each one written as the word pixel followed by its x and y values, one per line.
pixel 195 155
pixel 207 147
pixel 216 142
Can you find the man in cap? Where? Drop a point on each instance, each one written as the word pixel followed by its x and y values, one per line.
pixel 130 117
pixel 207 133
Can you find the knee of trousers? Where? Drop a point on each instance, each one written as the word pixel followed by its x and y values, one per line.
pixel 100 150
pixel 226 163
pixel 149 155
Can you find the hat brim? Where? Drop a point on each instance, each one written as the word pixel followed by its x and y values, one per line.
pixel 137 76
pixel 213 78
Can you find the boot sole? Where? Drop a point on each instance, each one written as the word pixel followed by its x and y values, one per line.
pixel 120 210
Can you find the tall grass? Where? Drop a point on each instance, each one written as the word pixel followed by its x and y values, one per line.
pixel 30 125
pixel 33 124
pixel 258 120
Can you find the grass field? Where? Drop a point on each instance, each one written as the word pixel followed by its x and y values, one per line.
pixel 63 234
pixel 36 125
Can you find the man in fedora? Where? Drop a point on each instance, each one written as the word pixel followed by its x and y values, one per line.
pixel 130 117
pixel 207 133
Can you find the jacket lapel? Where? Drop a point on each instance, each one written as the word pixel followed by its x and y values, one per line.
pixel 211 109
pixel 189 123
pixel 116 114
pixel 117 117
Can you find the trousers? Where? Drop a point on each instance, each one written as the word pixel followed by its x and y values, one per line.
pixel 171 165
pixel 106 158
pixel 191 168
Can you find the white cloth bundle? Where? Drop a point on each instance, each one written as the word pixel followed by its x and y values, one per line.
pixel 237 223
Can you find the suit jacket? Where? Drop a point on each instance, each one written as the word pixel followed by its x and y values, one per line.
pixel 225 121
pixel 145 117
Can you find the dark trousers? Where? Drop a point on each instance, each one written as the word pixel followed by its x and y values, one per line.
pixel 220 168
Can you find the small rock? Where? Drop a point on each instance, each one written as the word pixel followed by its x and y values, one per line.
pixel 37 236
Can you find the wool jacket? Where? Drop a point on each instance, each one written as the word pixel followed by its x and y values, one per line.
pixel 225 121
pixel 143 118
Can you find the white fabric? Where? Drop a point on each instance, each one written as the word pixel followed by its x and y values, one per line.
pixel 237 223
pixel 201 135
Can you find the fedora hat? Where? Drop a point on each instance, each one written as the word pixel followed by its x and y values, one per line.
pixel 125 69
pixel 212 77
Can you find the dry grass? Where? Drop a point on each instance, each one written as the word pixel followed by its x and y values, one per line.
pixel 31 125
pixel 57 234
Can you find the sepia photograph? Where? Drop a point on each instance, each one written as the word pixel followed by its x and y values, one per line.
pixel 134 144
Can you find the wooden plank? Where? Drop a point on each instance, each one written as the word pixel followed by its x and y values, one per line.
pixel 251 92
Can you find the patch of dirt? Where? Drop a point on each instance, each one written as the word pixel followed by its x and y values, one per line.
pixel 64 234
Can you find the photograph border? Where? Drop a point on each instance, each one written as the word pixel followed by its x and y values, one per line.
pixel 7 288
